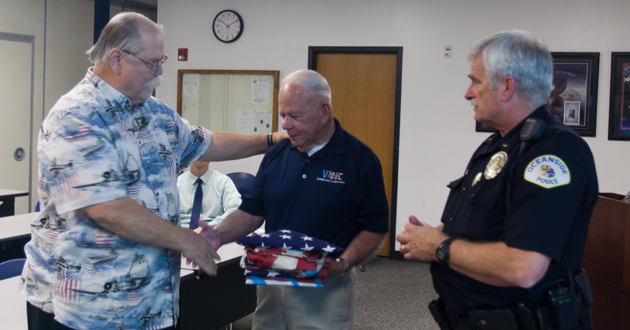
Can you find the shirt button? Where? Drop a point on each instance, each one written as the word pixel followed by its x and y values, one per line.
pixel 303 176
pixel 463 189
pixel 450 220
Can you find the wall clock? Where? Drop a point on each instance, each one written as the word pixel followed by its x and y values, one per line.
pixel 228 26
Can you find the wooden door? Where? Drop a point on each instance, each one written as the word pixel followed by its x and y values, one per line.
pixel 364 100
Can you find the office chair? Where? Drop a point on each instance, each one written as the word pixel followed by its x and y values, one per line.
pixel 11 268
pixel 243 181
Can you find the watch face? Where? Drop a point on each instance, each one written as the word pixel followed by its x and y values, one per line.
pixel 440 253
pixel 228 26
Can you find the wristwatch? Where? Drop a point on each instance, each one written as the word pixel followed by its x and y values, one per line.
pixel 443 252
pixel 345 265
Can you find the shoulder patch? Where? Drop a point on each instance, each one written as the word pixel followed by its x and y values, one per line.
pixel 548 171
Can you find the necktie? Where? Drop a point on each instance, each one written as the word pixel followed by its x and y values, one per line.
pixel 196 210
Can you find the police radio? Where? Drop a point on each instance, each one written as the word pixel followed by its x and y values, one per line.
pixel 530 133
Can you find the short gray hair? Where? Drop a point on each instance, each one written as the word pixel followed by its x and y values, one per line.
pixel 123 32
pixel 521 55
pixel 309 79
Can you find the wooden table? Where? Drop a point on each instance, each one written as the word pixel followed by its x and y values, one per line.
pixel 7 201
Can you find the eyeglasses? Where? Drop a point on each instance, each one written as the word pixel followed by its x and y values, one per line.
pixel 154 66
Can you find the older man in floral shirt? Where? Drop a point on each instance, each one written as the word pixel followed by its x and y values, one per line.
pixel 105 251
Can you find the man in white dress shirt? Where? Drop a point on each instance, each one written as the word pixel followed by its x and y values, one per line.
pixel 219 196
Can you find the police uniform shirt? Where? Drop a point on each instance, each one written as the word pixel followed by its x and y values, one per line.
pixel 553 190
pixel 332 196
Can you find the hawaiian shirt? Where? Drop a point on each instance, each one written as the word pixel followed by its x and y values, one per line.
pixel 94 147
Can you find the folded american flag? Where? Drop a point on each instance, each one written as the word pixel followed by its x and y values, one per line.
pixel 289 265
pixel 286 258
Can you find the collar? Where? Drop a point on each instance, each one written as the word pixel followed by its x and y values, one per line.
pixel 110 94
pixel 513 137
pixel 335 146
pixel 205 177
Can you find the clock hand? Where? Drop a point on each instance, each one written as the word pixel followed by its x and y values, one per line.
pixel 220 20
pixel 232 23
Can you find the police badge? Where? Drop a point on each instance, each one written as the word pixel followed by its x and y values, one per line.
pixel 495 165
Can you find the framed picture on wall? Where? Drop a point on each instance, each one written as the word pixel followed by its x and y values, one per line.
pixel 619 112
pixel 573 99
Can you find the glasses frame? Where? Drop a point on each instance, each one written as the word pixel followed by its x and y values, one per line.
pixel 154 66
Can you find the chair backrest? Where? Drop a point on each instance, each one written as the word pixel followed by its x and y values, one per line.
pixel 243 181
pixel 37 207
pixel 11 268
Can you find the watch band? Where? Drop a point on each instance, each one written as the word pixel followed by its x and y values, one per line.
pixel 269 139
pixel 345 265
pixel 443 252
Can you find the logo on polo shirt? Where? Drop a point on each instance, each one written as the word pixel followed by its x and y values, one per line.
pixel 331 176
pixel 548 171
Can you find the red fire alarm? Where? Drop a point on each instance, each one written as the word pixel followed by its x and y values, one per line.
pixel 182 54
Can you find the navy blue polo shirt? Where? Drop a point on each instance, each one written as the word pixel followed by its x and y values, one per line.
pixel 332 195
pixel 554 188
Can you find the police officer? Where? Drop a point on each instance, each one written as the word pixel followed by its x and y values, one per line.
pixel 520 212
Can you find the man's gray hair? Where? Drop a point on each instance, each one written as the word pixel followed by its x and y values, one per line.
pixel 123 32
pixel 309 79
pixel 521 55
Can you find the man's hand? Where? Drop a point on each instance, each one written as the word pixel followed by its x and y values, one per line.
pixel 419 240
pixel 198 251
pixel 336 268
pixel 210 235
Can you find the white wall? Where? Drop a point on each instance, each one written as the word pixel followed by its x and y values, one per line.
pixel 437 133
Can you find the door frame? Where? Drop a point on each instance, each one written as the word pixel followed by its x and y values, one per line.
pixel 313 51
pixel 29 39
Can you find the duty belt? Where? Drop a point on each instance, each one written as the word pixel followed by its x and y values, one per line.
pixel 519 318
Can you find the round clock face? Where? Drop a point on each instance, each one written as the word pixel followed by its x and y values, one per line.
pixel 228 26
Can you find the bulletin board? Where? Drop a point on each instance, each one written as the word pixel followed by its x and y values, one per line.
pixel 239 101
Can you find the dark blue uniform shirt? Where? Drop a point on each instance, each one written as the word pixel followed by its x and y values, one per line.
pixel 554 189
pixel 332 195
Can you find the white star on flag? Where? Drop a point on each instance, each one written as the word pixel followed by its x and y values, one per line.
pixel 247 271
pixel 306 238
pixel 286 247
pixel 265 235
pixel 285 231
pixel 262 244
pixel 329 248
pixel 285 236
pixel 307 248
pixel 627 79
pixel 272 274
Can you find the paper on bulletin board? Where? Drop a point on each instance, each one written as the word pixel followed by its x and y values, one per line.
pixel 260 90
pixel 190 86
pixel 253 121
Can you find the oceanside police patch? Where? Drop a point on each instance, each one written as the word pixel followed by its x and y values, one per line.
pixel 548 171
